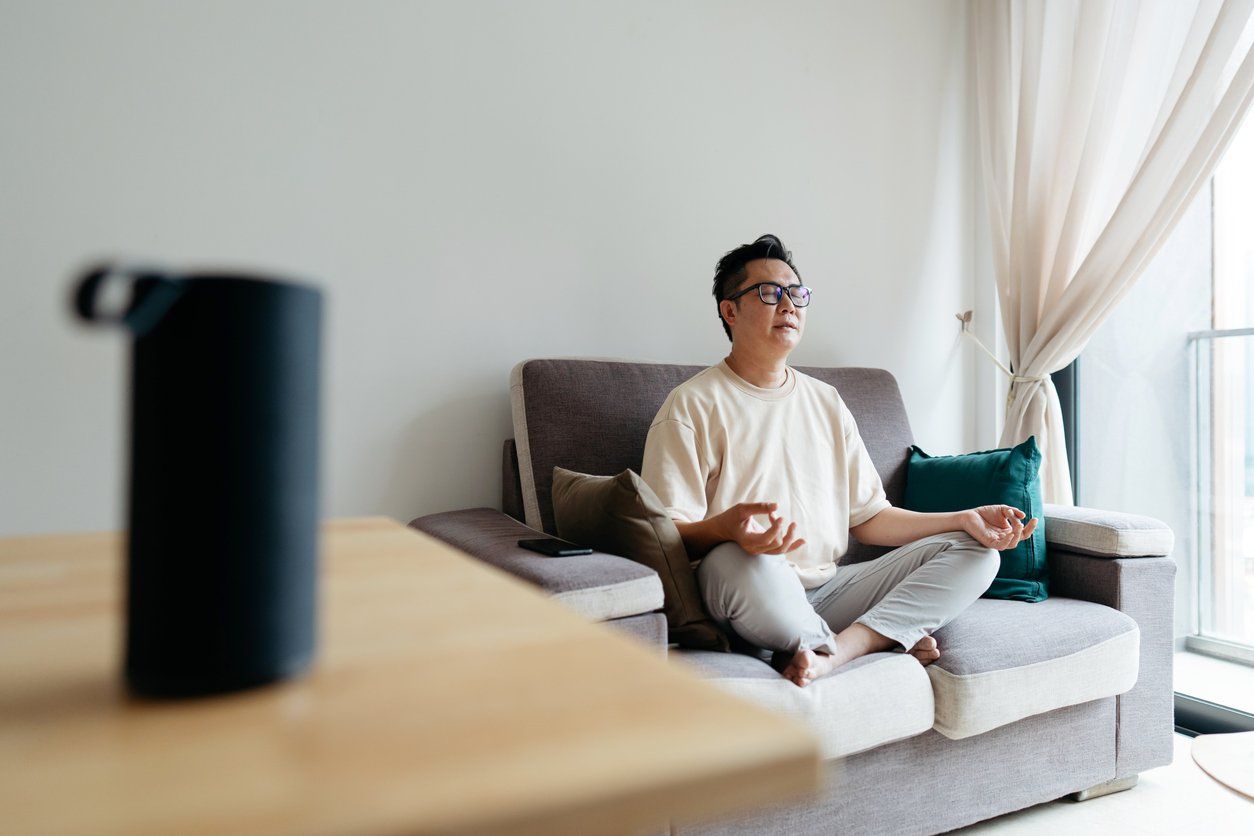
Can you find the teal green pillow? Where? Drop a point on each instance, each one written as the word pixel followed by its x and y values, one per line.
pixel 1007 476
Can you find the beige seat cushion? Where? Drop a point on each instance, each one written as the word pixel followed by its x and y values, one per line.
pixel 1002 661
pixel 873 700
pixel 1101 533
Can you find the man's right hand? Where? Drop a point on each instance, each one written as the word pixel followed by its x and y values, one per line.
pixel 737 524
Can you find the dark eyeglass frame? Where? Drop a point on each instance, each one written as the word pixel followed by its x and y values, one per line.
pixel 779 293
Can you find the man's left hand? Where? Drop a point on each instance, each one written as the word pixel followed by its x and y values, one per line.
pixel 998 526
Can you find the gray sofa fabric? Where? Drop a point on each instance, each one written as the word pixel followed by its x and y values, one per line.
pixel 930 784
pixel 649 628
pixel 597 586
pixel 511 485
pixel 1142 588
pixel 993 634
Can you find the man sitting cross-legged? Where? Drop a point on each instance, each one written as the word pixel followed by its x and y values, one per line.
pixel 753 437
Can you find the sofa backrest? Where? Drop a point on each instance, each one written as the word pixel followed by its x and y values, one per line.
pixel 593 415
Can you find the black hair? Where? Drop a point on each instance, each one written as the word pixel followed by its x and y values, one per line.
pixel 730 271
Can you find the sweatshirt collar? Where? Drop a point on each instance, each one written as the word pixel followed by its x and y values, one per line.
pixel 790 383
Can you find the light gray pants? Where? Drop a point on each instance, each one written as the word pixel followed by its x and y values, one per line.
pixel 904 594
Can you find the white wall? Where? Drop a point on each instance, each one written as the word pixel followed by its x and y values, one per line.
pixel 473 184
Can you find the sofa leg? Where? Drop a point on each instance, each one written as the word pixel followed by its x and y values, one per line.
pixel 1105 788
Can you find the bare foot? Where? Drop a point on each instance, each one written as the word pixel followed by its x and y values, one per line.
pixel 925 650
pixel 805 666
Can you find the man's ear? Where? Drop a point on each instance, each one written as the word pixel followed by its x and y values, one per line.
pixel 728 313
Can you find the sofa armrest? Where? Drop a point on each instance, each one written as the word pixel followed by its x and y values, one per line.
pixel 597 586
pixel 1106 533
pixel 1143 588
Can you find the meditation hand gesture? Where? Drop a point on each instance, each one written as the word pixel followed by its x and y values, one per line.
pixel 998 526
pixel 739 525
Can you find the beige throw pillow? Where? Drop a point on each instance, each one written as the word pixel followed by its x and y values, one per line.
pixel 621 515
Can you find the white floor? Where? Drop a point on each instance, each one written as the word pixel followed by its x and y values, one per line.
pixel 1176 799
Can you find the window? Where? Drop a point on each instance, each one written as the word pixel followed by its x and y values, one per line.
pixel 1165 424
pixel 1225 417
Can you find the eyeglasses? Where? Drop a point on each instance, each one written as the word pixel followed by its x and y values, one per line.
pixel 771 293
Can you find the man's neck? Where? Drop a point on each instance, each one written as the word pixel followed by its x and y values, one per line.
pixel 763 372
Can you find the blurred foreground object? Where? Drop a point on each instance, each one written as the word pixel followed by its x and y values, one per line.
pixel 223 495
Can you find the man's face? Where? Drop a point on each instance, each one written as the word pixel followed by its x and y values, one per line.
pixel 757 325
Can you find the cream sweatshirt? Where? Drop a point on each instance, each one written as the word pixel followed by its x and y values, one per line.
pixel 718 440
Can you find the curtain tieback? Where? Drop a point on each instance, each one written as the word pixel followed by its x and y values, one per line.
pixel 965 319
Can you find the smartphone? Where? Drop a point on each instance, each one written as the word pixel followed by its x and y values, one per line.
pixel 554 547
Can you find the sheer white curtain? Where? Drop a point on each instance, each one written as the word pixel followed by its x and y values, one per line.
pixel 1098 123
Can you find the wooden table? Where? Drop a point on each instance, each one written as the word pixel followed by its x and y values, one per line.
pixel 447 696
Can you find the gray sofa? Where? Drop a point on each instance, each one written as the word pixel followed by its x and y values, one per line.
pixel 1028 702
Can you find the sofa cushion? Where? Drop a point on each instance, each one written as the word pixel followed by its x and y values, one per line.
pixel 1107 533
pixel 1005 476
pixel 1002 661
pixel 875 699
pixel 621 515
pixel 597 586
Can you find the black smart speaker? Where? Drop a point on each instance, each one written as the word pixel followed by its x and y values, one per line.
pixel 223 505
